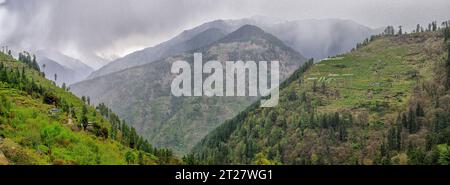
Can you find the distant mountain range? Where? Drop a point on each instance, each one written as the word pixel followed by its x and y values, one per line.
pixel 141 94
pixel 68 70
pixel 313 38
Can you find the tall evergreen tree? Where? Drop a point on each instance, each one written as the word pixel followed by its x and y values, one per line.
pixel 448 64
pixel 84 118
pixel 419 111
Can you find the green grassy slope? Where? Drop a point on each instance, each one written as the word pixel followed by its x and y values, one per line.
pixel 383 103
pixel 30 133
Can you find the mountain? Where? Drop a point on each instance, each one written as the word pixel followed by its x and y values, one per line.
pixel 67 61
pixel 182 43
pixel 50 68
pixel 313 38
pixel 68 70
pixel 320 39
pixel 386 102
pixel 141 95
pixel 43 124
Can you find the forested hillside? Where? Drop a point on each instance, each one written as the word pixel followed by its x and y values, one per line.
pixel 386 102
pixel 41 123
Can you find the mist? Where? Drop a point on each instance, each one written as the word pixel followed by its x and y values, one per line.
pixel 98 31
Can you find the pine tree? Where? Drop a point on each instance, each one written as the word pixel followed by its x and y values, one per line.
pixel 34 64
pixel 419 111
pixel 5 106
pixel 434 26
pixel 404 121
pixel 392 139
pixel 412 122
pixel 389 30
pixel 448 64
pixel 64 86
pixel 394 135
pixel 84 119
pixel 398 136
pixel 314 86
pixel 446 35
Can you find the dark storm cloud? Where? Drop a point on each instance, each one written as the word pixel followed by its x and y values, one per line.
pixel 89 29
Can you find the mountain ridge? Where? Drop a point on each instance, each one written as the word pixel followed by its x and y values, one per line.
pixel 74 70
pixel 148 103
pixel 314 45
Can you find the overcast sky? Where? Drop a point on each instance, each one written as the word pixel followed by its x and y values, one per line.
pixel 109 29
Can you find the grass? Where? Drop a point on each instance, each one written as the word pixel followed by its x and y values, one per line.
pixel 381 73
pixel 373 84
pixel 31 134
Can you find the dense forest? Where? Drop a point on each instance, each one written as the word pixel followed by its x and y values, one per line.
pixel 386 102
pixel 131 138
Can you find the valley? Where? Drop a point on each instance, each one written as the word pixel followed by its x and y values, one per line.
pixel 142 96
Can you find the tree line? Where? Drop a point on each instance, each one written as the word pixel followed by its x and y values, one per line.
pixel 29 60
pixel 128 136
pixel 17 78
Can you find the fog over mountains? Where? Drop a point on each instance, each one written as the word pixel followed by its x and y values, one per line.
pixel 313 38
pixel 68 70
pixel 96 32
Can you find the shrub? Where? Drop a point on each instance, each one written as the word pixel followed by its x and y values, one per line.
pixel 51 98
pixel 5 106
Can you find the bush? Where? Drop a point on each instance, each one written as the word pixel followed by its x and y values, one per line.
pixel 131 157
pixel 5 106
pixel 101 132
pixel 51 98
pixel 15 153
pixel 55 134
pixel 444 154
